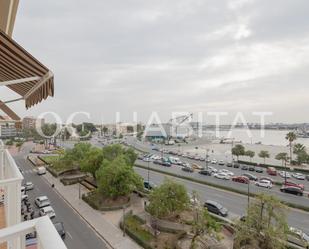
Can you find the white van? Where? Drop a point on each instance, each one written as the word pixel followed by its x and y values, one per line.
pixel 41 171
pixel 49 211
pixel 42 201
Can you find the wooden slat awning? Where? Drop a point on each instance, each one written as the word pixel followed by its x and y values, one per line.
pixel 24 74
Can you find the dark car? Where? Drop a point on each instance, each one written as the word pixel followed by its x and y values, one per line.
pixel 205 172
pixel 291 190
pixel 236 165
pixel 216 208
pixel 307 177
pixel 251 168
pixel 250 177
pixel 244 167
pixel 165 163
pixel 229 165
pixel 60 229
pixel 259 170
pixel 187 169
pixel 149 185
pixel 157 161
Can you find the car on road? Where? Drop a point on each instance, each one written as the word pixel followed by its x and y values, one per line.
pixel 166 164
pixel 149 185
pixel 291 190
pixel 241 179
pixel 60 229
pixel 293 184
pixel 205 172
pixel 214 170
pixel 271 171
pixel 216 208
pixel 222 176
pixel 284 174
pixel 299 176
pixel 229 165
pixel 221 162
pixel 41 171
pixel 251 168
pixel 244 167
pixel 226 172
pixel 298 237
pixel 187 169
pixel 236 165
pixel 264 184
pixel 214 161
pixel 29 186
pixel 49 211
pixel 250 176
pixel 259 170
pixel 42 201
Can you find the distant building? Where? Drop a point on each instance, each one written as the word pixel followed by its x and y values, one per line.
pixel 7 127
pixel 31 122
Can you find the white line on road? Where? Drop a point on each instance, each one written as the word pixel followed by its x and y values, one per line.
pixel 69 235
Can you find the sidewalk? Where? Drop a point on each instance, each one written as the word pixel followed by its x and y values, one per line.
pixel 110 232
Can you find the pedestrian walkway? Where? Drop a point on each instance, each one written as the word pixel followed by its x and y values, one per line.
pixel 105 228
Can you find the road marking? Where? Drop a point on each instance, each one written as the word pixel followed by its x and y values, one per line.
pixel 69 234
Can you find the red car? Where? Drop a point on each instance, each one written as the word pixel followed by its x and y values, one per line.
pixel 241 179
pixel 293 184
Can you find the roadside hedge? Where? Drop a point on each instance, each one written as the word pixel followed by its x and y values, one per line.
pixel 292 205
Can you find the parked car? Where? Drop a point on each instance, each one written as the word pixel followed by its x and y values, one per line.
pixel 205 172
pixel 149 185
pixel 298 237
pixel 264 184
pixel 229 165
pixel 267 179
pixel 213 170
pixel 166 164
pixel 29 186
pixel 293 184
pixel 307 177
pixel 250 176
pixel 214 161
pixel 291 190
pixel 236 165
pixel 251 168
pixel 285 174
pixel 49 211
pixel 216 208
pixel 24 197
pixel 299 176
pixel 187 169
pixel 42 201
pixel 222 176
pixel 241 179
pixel 244 167
pixel 259 170
pixel 60 229
pixel 196 166
pixel 221 162
pixel 226 172
pixel 271 171
pixel 41 170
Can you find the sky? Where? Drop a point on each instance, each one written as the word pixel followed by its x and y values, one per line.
pixel 170 56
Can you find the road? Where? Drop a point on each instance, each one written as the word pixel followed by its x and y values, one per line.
pixel 79 234
pixel 235 203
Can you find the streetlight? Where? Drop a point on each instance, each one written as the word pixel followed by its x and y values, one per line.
pixel 148 176
pixel 248 194
pixel 206 159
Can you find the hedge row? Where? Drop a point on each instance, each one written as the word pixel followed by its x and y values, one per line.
pixel 292 205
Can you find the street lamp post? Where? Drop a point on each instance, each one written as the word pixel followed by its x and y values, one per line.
pixel 248 194
pixel 206 159
pixel 148 176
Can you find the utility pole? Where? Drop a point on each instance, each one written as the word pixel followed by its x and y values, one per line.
pixel 123 221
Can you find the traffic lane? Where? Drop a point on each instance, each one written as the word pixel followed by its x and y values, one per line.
pixel 304 200
pixel 79 234
pixel 236 171
pixel 235 203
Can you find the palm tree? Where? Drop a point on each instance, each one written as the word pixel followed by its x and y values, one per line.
pixel 291 137
pixel 283 156
pixel 299 148
pixel 264 154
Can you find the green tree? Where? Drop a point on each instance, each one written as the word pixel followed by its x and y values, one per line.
pixel 250 153
pixel 105 130
pixel 77 153
pixel 265 225
pixel 92 161
pixel 168 199
pixel 283 157
pixel 291 137
pixel 302 157
pixel 238 150
pixel 298 148
pixel 116 178
pixel 264 154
